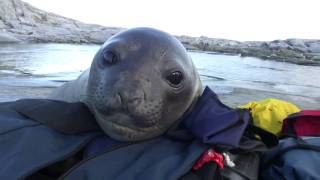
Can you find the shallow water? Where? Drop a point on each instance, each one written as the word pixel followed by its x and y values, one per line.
pixel 34 70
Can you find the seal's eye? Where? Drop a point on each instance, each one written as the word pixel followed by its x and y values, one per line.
pixel 175 78
pixel 110 57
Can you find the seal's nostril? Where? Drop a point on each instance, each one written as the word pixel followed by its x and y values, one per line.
pixel 132 97
pixel 135 101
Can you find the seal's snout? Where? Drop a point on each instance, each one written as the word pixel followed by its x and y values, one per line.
pixel 131 96
pixel 131 87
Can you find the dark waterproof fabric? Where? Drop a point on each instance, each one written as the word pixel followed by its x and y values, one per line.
pixel 27 145
pixel 293 159
pixel 157 159
pixel 246 166
pixel 209 171
pixel 214 122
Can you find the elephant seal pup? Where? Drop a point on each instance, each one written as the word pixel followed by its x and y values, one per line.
pixel 141 82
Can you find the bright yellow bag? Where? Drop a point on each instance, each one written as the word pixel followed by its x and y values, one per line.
pixel 269 114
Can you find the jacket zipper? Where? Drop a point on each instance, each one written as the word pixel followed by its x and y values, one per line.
pixel 93 157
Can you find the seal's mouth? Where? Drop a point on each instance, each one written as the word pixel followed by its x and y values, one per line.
pixel 120 126
pixel 123 119
pixel 128 119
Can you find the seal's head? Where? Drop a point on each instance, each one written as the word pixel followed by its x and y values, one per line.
pixel 141 82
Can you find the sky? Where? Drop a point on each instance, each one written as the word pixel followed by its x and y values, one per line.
pixel 242 20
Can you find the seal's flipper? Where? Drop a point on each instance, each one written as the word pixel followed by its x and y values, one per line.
pixel 69 118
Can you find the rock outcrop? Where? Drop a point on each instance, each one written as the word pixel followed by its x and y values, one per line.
pixel 24 22
pixel 298 51
pixel 21 22
pixel 5 38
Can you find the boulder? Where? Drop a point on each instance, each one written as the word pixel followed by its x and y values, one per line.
pixel 28 23
pixel 6 38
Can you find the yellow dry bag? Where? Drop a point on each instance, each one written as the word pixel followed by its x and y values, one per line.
pixel 269 114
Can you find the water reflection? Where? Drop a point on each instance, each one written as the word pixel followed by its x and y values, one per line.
pixel 236 79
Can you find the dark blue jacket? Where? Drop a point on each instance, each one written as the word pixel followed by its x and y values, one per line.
pixel 27 145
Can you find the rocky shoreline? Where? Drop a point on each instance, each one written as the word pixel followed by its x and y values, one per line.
pixel 22 23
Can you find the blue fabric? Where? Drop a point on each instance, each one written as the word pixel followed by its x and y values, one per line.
pixel 156 159
pixel 295 164
pixel 98 145
pixel 26 145
pixel 215 123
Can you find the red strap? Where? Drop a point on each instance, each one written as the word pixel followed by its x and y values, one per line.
pixel 209 156
pixel 310 113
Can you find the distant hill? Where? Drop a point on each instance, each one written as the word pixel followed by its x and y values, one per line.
pixel 21 22
pixel 27 23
